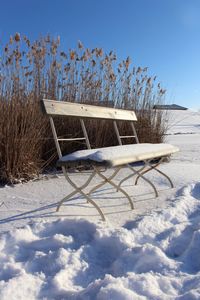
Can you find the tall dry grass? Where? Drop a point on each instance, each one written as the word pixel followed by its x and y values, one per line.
pixel 31 70
pixel 21 130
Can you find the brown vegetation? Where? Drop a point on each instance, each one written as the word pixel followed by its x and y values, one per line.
pixel 31 70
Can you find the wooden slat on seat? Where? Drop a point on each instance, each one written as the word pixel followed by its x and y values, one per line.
pixel 61 108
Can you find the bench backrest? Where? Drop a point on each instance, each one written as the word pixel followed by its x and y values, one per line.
pixel 61 108
pixel 81 111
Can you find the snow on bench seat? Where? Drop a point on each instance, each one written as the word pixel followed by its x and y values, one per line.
pixel 118 155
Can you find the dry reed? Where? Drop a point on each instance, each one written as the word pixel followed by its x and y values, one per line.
pixel 31 70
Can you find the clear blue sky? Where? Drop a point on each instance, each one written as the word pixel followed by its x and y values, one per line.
pixel 163 35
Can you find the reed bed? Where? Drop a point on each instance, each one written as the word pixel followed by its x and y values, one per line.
pixel 30 71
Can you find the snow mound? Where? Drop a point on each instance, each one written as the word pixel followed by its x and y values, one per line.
pixel 156 257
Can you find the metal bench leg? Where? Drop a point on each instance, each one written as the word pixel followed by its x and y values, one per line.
pixel 104 181
pixel 79 190
pixel 129 176
pixel 166 176
pixel 154 167
pixel 135 172
pixel 65 199
pixel 108 180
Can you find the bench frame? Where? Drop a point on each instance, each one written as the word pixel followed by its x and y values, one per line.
pixel 83 111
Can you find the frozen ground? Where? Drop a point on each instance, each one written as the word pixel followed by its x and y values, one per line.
pixel 183 122
pixel 151 252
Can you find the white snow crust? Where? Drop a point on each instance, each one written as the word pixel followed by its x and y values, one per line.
pixel 151 252
pixel 183 122
pixel 122 154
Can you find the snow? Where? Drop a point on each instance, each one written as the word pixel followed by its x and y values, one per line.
pixel 120 155
pixel 183 122
pixel 151 252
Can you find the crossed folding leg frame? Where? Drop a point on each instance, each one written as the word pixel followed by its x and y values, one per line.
pixel 87 196
pixel 147 167
pixel 96 170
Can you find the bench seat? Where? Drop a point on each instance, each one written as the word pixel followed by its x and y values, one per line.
pixel 117 155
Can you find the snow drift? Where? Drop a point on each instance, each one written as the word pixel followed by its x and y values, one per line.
pixel 154 257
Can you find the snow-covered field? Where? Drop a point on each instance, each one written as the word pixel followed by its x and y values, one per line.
pixel 151 252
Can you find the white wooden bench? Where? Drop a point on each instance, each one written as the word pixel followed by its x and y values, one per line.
pixel 114 157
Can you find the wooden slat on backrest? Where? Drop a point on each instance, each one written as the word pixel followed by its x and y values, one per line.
pixel 61 108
